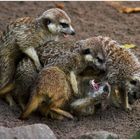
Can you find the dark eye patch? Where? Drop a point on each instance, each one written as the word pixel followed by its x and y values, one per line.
pixel 99 60
pixel 47 21
pixel 64 25
pixel 86 51
pixel 133 82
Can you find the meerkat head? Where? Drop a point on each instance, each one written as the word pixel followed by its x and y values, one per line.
pixel 57 22
pixel 93 53
pixel 133 88
pixel 99 90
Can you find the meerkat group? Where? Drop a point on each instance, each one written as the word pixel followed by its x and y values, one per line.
pixel 59 80
pixel 121 73
pixel 122 67
pixel 25 36
pixel 61 83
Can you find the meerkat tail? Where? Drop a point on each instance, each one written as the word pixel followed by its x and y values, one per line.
pixel 31 106
pixel 81 103
pixel 62 112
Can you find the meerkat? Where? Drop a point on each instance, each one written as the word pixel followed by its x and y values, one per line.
pixel 94 94
pixel 26 34
pixel 68 59
pixel 123 67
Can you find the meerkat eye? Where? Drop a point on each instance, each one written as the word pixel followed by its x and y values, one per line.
pixel 47 21
pixel 86 51
pixel 64 25
pixel 133 82
pixel 99 60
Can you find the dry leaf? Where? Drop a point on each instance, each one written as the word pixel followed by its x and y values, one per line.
pixel 60 5
pixel 123 9
pixel 128 46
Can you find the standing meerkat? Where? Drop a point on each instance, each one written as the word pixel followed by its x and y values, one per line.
pixel 26 34
pixel 123 67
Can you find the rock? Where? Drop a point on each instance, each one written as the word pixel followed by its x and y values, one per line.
pixel 136 135
pixel 99 135
pixel 35 131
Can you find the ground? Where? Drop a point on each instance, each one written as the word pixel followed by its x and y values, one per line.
pixel 89 19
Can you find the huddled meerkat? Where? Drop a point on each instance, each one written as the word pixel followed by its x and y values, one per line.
pixel 26 34
pixel 58 80
pixel 123 67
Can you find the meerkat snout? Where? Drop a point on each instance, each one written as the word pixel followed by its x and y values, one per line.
pixel 57 22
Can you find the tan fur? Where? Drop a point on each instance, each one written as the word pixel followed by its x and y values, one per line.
pixel 44 91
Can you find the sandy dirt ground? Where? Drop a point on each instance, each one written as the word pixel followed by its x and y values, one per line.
pixel 89 19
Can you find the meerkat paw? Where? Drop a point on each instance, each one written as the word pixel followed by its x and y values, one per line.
pixel 38 67
pixel 128 108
